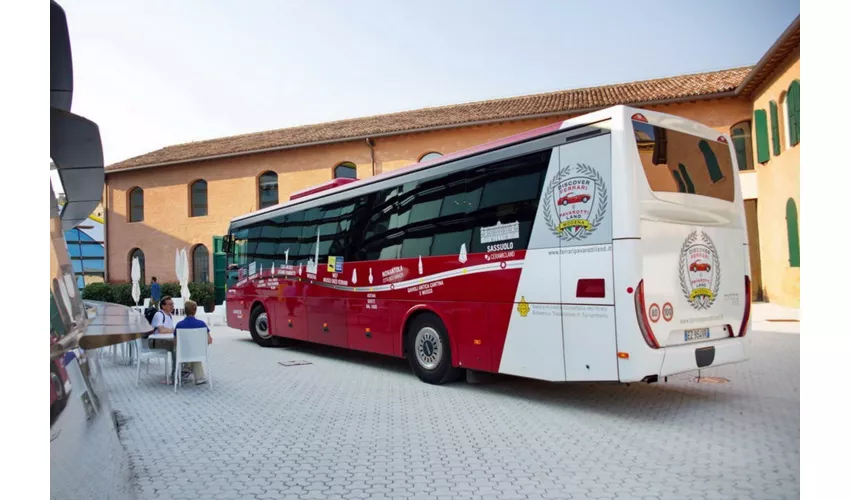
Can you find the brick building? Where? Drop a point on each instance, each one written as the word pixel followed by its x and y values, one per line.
pixel 185 195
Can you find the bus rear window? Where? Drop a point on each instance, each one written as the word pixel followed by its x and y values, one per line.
pixel 675 162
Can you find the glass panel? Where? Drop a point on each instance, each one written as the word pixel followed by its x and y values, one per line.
pixel 268 190
pixel 705 166
pixel 346 171
pixel 199 199
pixel 430 156
pixel 741 141
pixel 137 205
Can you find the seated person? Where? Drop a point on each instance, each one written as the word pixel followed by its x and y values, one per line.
pixel 191 322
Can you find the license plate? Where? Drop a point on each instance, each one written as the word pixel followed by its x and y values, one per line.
pixel 696 334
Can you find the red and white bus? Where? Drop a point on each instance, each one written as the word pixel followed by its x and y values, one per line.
pixel 609 247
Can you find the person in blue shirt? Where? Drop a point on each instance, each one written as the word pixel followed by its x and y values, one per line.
pixel 192 322
pixel 156 291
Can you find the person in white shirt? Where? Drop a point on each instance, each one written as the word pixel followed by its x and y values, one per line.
pixel 163 322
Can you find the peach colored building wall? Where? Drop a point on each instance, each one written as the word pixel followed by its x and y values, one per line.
pixel 778 180
pixel 232 182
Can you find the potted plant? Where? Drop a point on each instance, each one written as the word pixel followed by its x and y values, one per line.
pixel 209 304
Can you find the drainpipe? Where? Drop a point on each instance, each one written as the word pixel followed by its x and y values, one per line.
pixel 105 229
pixel 371 143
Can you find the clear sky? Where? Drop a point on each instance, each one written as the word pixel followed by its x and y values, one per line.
pixel 161 72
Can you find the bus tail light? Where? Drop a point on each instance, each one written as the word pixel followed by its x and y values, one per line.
pixel 639 118
pixel 721 139
pixel 748 302
pixel 590 288
pixel 643 320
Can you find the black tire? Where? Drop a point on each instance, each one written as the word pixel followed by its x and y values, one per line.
pixel 433 365
pixel 260 327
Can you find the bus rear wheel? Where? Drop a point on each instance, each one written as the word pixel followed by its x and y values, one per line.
pixel 260 327
pixel 429 352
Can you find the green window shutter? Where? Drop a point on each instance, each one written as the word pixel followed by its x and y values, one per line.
pixel 689 184
pixel 793 229
pixel 794 112
pixel 762 145
pixel 711 161
pixel 774 127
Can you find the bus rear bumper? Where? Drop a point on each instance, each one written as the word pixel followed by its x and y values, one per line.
pixel 702 355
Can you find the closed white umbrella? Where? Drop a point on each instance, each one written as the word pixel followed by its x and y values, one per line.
pixel 184 276
pixel 136 275
pixel 178 262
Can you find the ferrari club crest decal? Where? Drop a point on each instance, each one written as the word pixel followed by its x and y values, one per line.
pixel 699 270
pixel 576 202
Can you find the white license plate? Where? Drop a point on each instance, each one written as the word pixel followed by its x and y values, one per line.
pixel 697 334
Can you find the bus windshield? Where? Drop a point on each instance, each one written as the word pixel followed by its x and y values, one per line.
pixel 676 162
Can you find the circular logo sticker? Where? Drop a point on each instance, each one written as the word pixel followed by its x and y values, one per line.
pixel 667 311
pixel 654 313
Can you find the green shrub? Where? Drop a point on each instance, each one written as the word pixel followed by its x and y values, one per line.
pixel 171 289
pixel 98 292
pixel 122 293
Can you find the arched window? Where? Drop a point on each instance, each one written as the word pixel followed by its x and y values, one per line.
pixel 198 198
pixel 430 156
pixel 200 264
pixel 742 139
pixel 345 170
pixel 794 113
pixel 793 229
pixel 268 189
pixel 136 252
pixel 711 161
pixel 774 128
pixel 136 200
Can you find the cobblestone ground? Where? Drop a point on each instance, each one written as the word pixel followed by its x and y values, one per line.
pixel 353 425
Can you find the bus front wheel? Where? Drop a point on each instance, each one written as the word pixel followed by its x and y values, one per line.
pixel 429 352
pixel 260 327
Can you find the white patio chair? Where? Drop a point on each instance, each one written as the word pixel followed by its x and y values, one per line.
pixel 146 303
pixel 192 346
pixel 145 353
pixel 179 305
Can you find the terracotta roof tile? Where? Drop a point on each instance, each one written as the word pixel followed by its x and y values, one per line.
pixel 696 86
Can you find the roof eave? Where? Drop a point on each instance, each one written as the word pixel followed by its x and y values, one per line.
pixel 658 102
pixel 789 32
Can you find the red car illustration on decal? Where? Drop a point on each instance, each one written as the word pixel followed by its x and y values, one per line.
pixel 569 199
pixel 700 266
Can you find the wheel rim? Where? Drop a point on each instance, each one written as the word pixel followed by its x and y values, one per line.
pixel 57 385
pixel 429 348
pixel 262 326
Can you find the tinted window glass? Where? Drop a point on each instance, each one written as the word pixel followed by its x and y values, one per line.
pixel 507 192
pixel 705 166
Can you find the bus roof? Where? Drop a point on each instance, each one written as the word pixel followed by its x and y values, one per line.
pixel 305 195
pixel 478 149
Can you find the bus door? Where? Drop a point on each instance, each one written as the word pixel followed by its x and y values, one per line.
pixel 577 209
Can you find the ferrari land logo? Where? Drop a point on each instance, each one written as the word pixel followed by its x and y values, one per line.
pixel 575 203
pixel 699 270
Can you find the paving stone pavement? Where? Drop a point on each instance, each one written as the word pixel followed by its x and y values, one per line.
pixel 354 425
